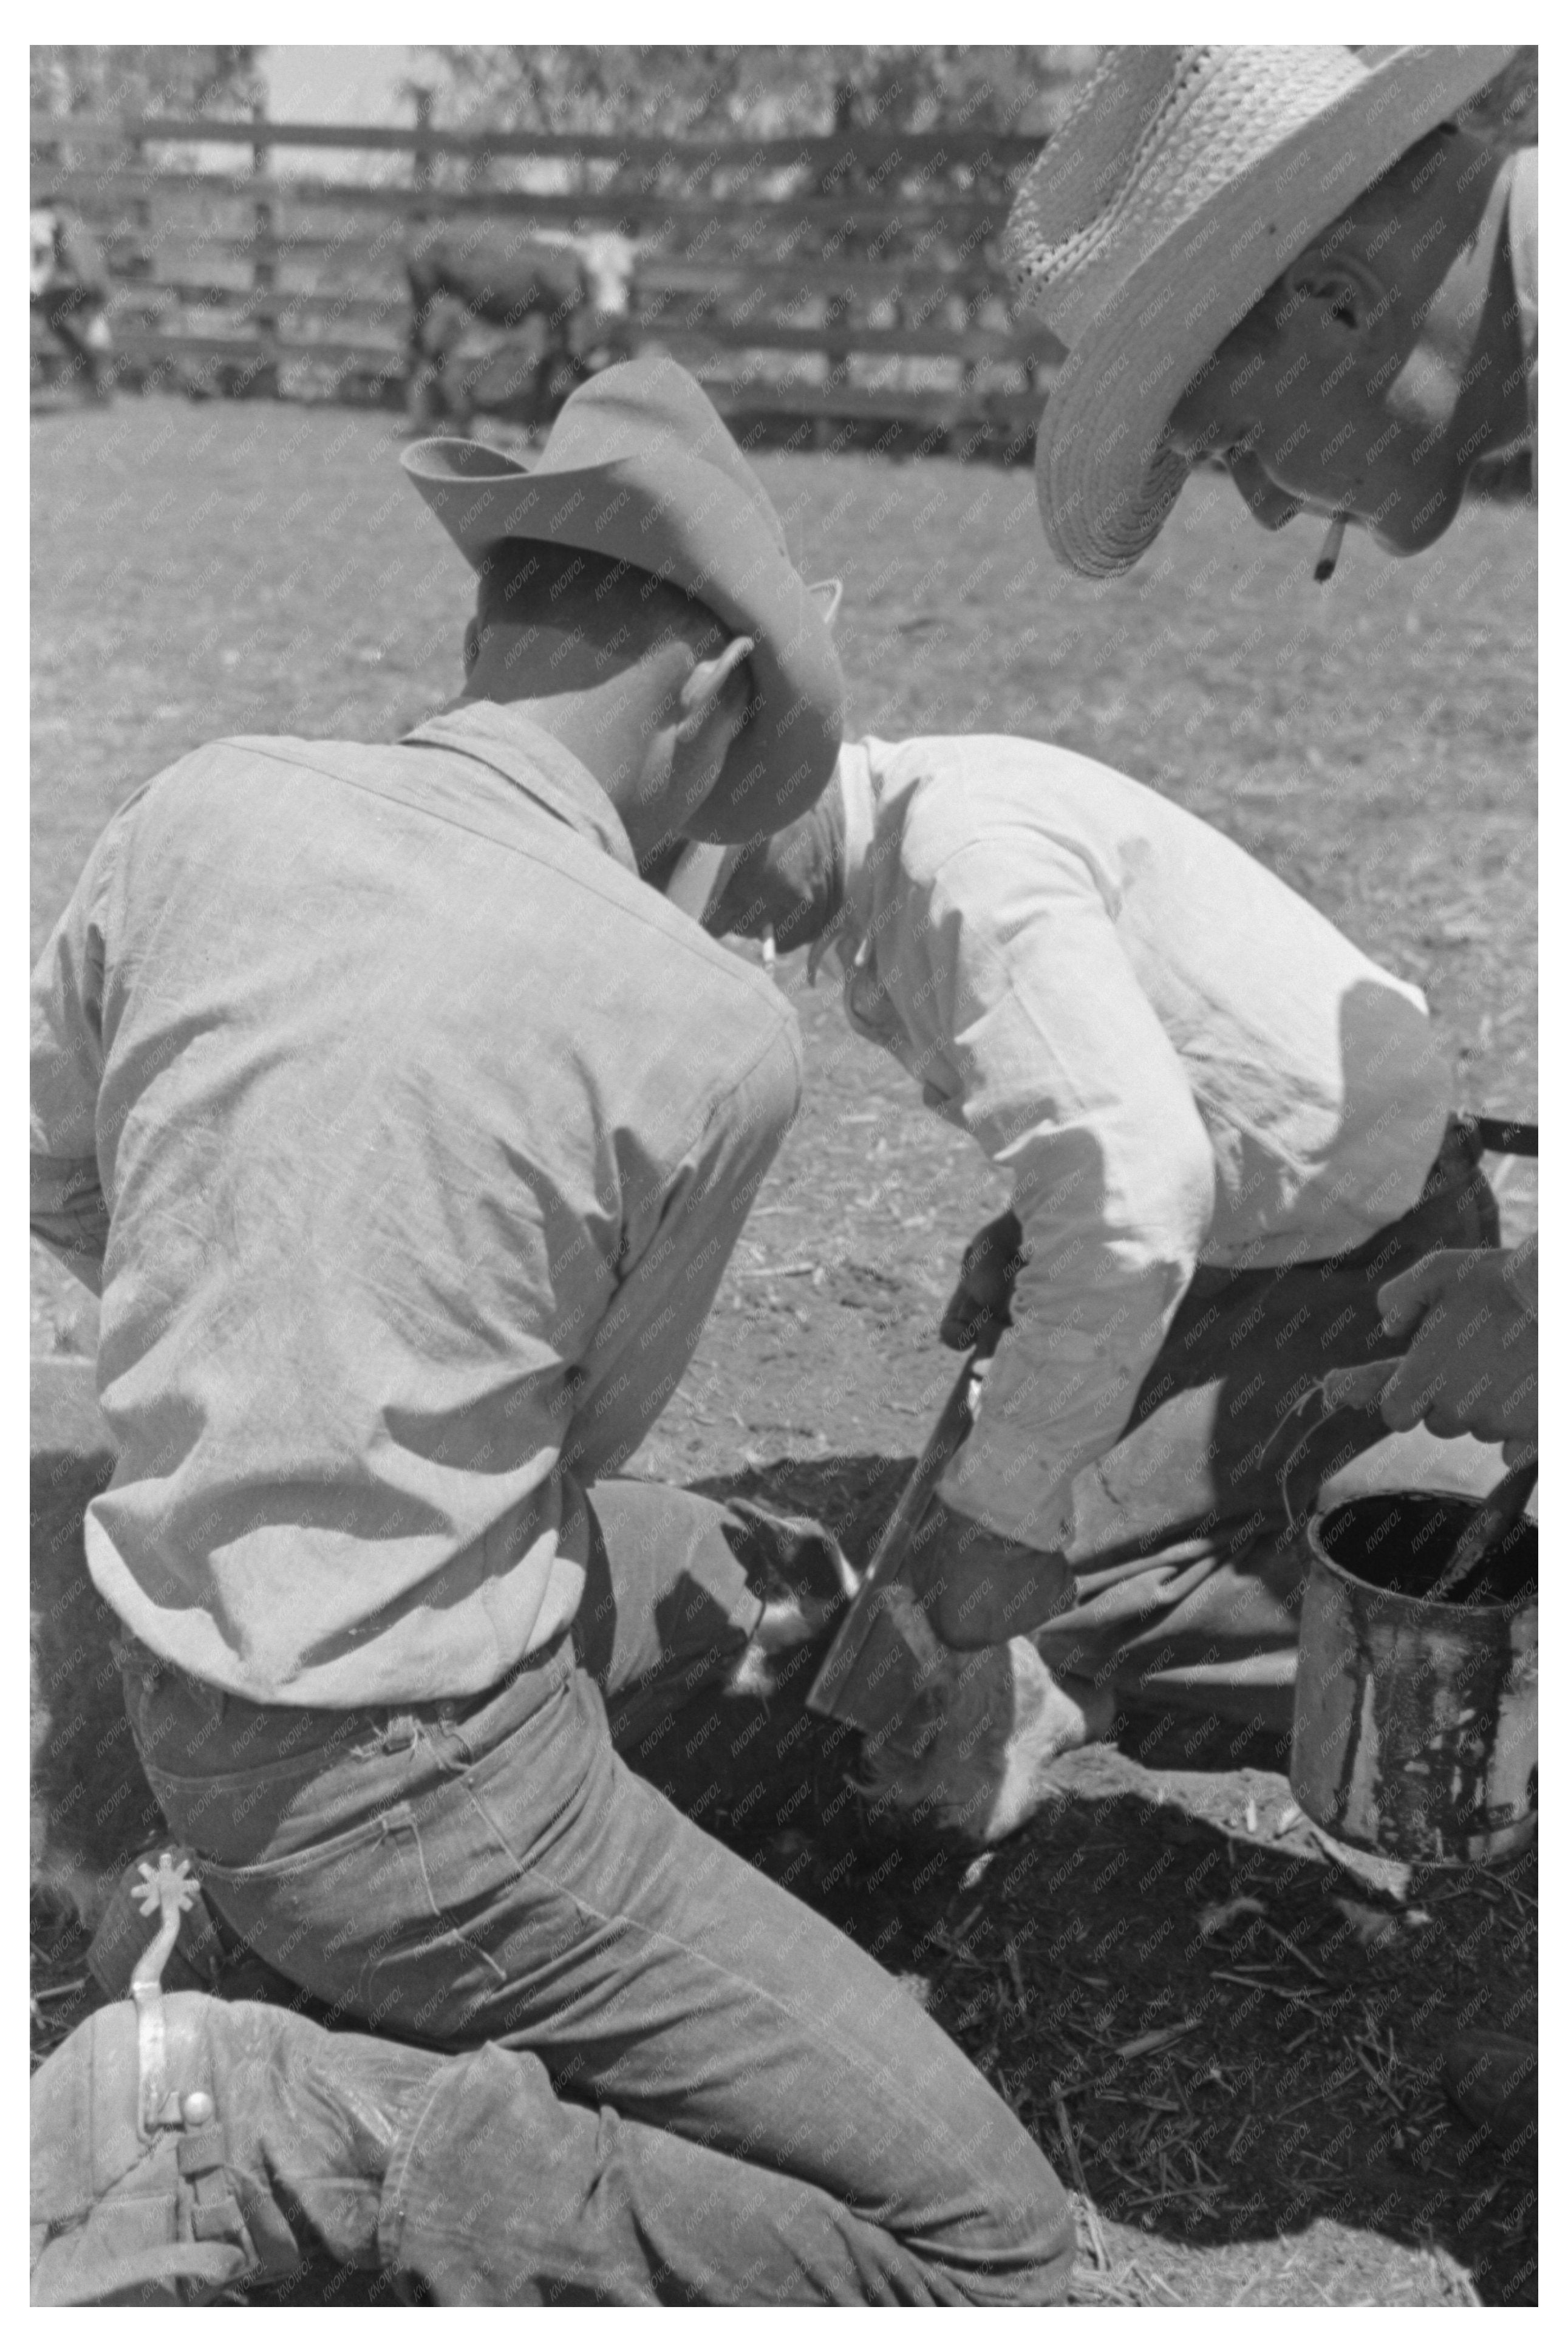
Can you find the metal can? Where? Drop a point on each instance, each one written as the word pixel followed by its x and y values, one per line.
pixel 1416 1723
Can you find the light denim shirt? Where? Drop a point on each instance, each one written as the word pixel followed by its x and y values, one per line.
pixel 1176 1059
pixel 365 1078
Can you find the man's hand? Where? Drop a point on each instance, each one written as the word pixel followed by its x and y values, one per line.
pixel 979 1309
pixel 978 1587
pixel 1471 1368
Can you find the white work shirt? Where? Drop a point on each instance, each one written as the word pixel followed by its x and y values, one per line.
pixel 1176 1059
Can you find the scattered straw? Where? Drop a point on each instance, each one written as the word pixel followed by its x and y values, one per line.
pixel 1086 2203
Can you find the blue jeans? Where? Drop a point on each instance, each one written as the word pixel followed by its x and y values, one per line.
pixel 722 2099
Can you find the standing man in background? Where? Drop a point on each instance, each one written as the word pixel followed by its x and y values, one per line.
pixel 67 286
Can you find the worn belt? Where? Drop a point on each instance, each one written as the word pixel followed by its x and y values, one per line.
pixel 1504 1135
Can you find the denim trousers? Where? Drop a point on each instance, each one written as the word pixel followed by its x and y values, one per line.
pixel 697 2089
pixel 1186 1564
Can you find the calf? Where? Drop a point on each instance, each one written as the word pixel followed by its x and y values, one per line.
pixel 571 301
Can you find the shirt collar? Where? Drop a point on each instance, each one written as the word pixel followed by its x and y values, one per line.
pixel 517 748
pixel 846 941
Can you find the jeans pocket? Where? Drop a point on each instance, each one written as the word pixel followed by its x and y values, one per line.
pixel 316 1914
pixel 271 1809
pixel 357 1920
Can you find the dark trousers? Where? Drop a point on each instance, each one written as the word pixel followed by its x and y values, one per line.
pixel 75 317
pixel 719 2097
pixel 1187 1562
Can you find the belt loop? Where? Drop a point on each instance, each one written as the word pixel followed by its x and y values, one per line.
pixel 132 1657
pixel 392 1734
pixel 1465 1133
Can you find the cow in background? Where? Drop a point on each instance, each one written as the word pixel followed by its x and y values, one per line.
pixel 568 303
pixel 68 288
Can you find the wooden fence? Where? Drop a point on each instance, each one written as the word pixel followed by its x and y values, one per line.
pixel 856 277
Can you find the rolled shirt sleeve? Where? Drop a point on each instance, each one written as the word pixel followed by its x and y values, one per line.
pixel 68 1212
pixel 1067 1080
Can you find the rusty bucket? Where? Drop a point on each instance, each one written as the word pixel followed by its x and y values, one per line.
pixel 1415 1721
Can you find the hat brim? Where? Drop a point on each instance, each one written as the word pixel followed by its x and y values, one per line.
pixel 676 518
pixel 1105 485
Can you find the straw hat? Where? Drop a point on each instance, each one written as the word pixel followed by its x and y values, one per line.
pixel 1179 188
pixel 640 465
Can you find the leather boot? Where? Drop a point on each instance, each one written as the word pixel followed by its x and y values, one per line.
pixel 272 2128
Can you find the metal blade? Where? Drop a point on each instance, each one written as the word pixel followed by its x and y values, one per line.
pixel 881 1600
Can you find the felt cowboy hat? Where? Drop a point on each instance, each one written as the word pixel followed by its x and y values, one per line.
pixel 1181 184
pixel 640 465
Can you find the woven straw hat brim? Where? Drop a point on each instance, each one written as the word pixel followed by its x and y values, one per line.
pixel 681 519
pixel 1105 485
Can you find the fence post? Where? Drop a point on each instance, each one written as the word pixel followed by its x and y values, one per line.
pixel 264 260
pixel 423 100
pixel 139 264
pixel 421 176
pixel 846 173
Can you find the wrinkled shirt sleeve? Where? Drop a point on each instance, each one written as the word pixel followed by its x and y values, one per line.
pixel 68 1212
pixel 1070 1084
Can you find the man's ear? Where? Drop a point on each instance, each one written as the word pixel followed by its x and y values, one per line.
pixel 470 646
pixel 826 596
pixel 707 682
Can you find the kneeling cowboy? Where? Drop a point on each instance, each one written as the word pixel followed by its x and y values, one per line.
pixel 1224 1128
pixel 408 1132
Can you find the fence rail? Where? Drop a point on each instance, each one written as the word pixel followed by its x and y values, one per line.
pixel 611 208
pixel 700 323
pixel 854 277
pixel 870 150
pixel 721 279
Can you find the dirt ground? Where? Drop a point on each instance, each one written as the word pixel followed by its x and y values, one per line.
pixel 1251 2111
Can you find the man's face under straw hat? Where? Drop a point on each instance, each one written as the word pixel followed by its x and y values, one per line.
pixel 1336 393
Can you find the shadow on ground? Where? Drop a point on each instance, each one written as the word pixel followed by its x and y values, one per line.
pixel 1225 2032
